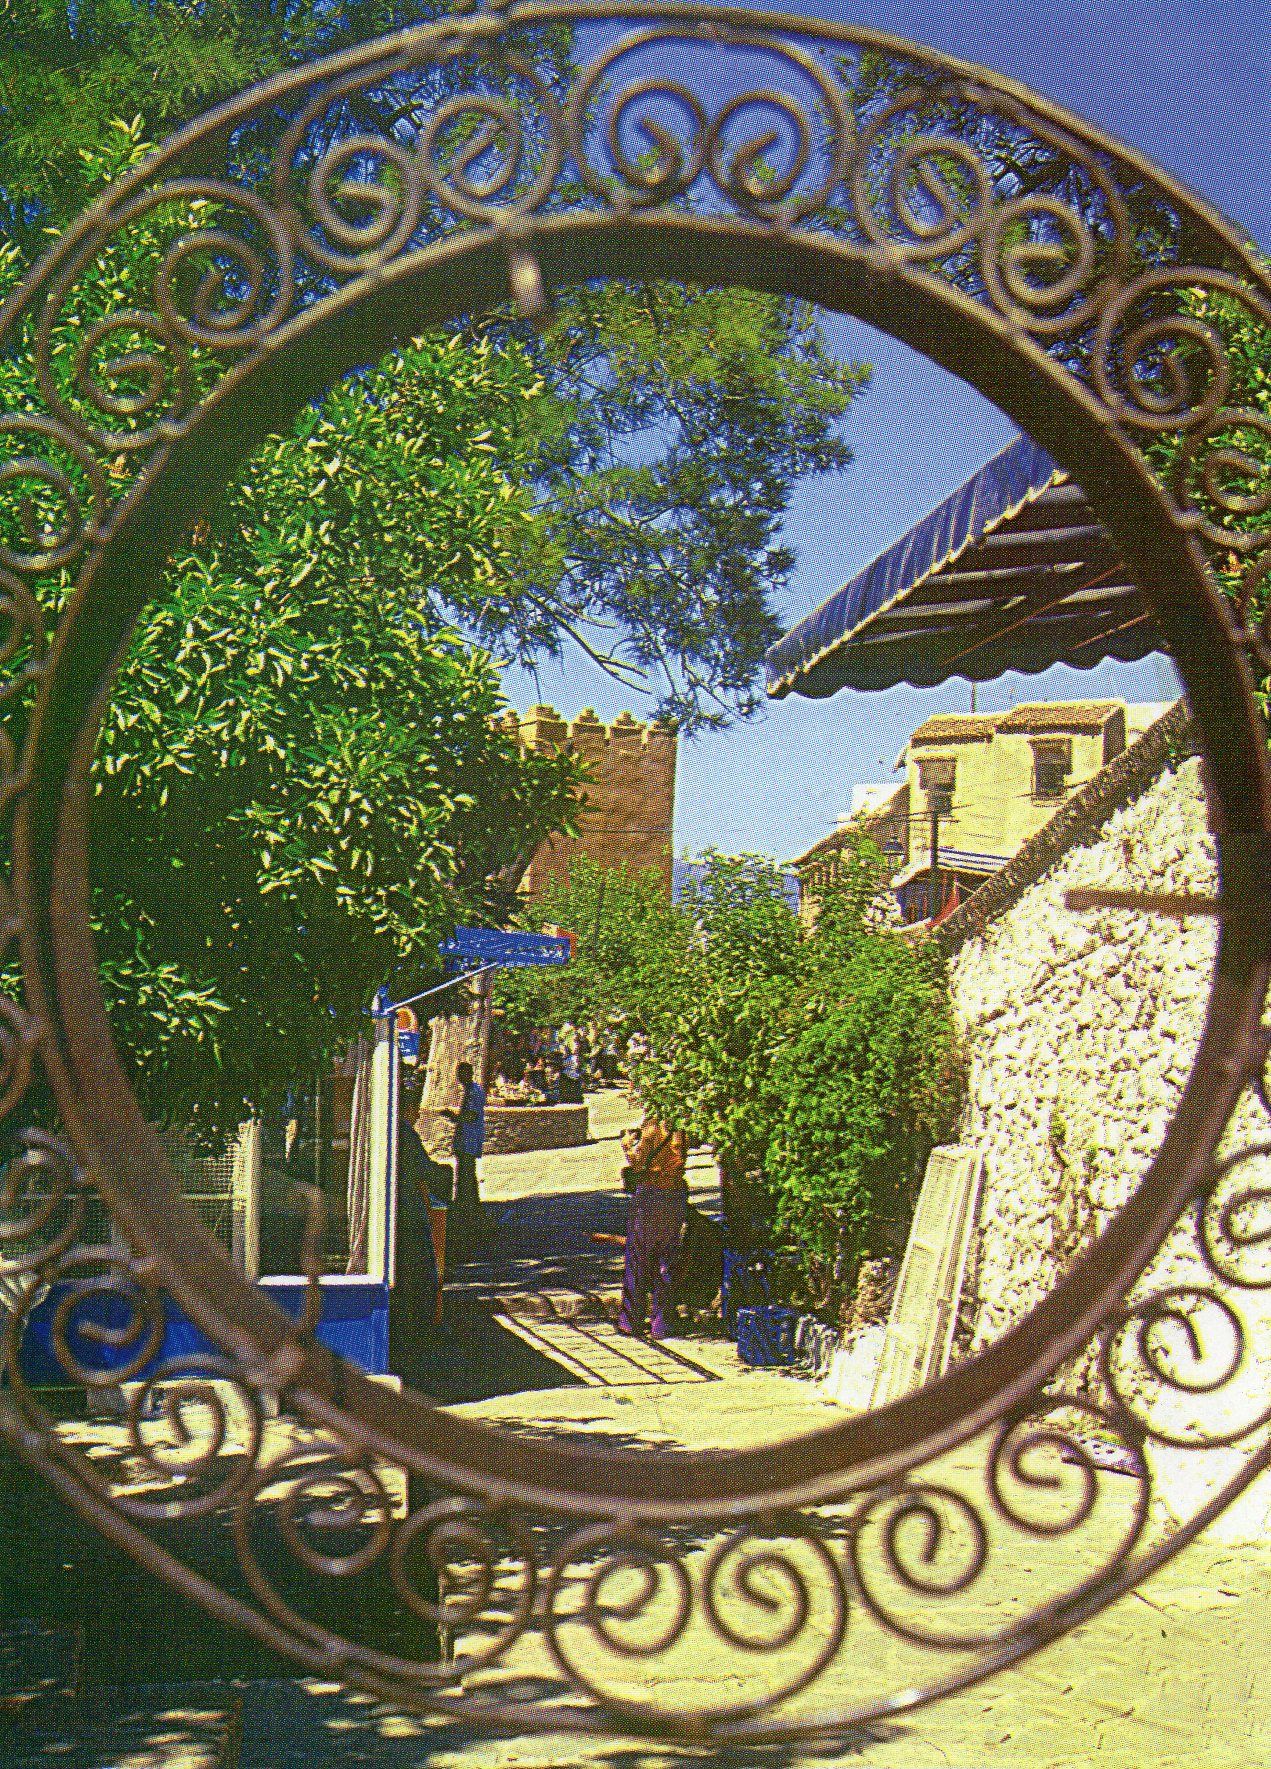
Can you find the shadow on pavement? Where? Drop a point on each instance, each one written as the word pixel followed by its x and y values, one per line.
pixel 474 1358
pixel 297 1727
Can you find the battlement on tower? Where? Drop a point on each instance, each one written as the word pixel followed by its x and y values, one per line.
pixel 628 803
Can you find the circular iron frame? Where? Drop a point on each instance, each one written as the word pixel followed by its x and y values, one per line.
pixel 889 268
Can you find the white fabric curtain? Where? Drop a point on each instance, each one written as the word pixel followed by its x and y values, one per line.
pixel 358 1063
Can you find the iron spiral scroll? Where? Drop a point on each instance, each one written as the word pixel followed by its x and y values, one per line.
pixel 716 145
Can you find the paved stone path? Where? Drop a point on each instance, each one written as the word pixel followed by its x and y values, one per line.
pixel 1174 1676
pixel 600 1356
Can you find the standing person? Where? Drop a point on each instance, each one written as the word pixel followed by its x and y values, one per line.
pixel 469 1140
pixel 413 1303
pixel 609 1056
pixel 657 1157
pixel 571 1086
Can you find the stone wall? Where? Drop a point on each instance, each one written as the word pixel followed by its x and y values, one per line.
pixel 629 802
pixel 511 1130
pixel 1080 1031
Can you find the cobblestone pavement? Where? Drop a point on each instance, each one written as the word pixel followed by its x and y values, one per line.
pixel 1175 1676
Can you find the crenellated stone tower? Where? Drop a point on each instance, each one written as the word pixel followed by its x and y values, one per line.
pixel 629 799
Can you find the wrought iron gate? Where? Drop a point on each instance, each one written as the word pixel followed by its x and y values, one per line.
pixel 708 144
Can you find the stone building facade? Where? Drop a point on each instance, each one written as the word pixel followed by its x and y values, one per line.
pixel 628 802
pixel 998 777
pixel 992 780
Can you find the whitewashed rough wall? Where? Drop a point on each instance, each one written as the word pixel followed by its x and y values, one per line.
pixel 1081 1030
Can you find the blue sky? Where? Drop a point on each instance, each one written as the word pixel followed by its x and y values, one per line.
pixel 1186 82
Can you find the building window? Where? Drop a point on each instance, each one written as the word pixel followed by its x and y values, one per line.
pixel 1052 764
pixel 936 777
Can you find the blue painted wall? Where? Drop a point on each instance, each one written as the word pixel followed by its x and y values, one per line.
pixel 354 1323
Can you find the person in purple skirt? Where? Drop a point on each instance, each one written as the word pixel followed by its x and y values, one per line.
pixel 656 1157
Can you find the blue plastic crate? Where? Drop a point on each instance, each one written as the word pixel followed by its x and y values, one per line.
pixel 765 1336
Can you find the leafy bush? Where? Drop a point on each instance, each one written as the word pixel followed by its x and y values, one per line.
pixel 820 1065
pixel 712 1063
pixel 867 1086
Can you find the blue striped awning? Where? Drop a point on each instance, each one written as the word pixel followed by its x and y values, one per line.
pixel 1012 572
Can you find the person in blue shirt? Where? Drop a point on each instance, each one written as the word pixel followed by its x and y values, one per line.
pixel 469 1140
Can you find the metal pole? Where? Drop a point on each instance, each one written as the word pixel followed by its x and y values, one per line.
pixel 393 1160
pixel 933 876
pixel 463 977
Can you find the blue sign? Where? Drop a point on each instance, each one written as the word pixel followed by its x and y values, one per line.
pixel 408 1044
pixel 474 946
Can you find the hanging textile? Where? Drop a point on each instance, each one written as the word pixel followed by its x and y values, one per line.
pixel 358 1063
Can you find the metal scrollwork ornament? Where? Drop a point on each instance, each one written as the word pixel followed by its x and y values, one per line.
pixel 292 241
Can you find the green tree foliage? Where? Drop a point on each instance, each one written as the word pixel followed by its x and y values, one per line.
pixel 68 68
pixel 327 799
pixel 301 785
pixel 673 424
pixel 301 782
pixel 632 945
pixel 690 415
pixel 1234 461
